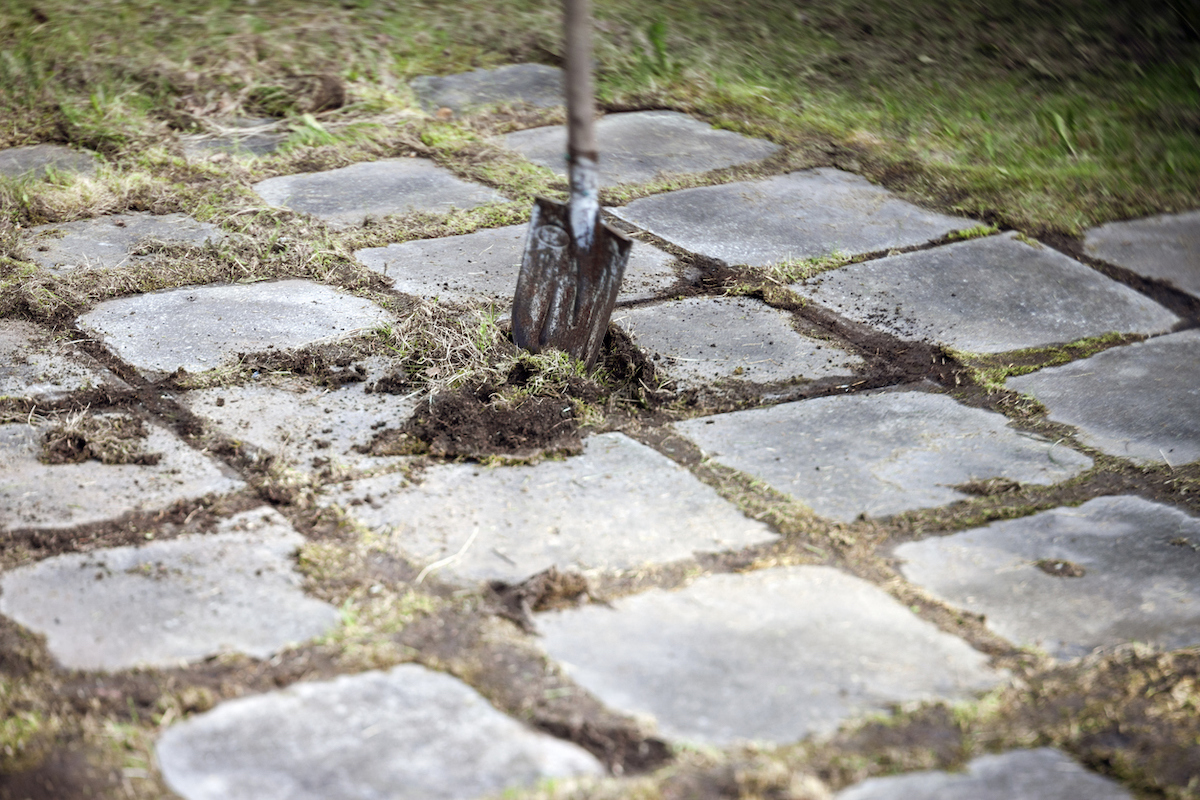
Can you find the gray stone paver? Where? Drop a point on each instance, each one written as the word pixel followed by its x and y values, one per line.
pixel 534 84
pixel 708 339
pixel 482 267
pixel 618 505
pixel 1141 401
pixel 34 495
pixel 108 242
pixel 36 160
pixel 235 590
pixel 35 367
pixel 987 295
pixel 1165 248
pixel 1137 584
pixel 800 215
pixel 1042 774
pixel 204 327
pixel 641 145
pixel 773 655
pixel 877 454
pixel 405 734
pixel 375 188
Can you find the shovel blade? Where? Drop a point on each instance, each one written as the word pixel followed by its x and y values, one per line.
pixel 565 297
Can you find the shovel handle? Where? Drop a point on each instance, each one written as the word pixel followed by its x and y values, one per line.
pixel 581 140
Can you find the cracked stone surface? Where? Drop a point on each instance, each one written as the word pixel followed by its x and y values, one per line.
pixel 1140 401
pixel 1139 562
pixel 482 267
pixel 639 146
pixel 705 339
pixel 772 655
pixel 618 505
pixel 349 195
pixel 1042 774
pixel 878 454
pixel 405 734
pixel 36 160
pixel 533 84
pixel 1164 248
pixel 34 495
pixel 800 215
pixel 986 295
pixel 203 327
pixel 36 367
pixel 234 590
pixel 109 241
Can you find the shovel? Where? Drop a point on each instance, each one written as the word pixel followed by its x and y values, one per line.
pixel 573 262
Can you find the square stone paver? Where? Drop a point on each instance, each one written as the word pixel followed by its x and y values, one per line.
pixel 987 295
pixel 804 214
pixel 34 495
pixel 203 327
pixel 704 339
pixel 183 599
pixel 1131 572
pixel 1140 401
pixel 878 454
pixel 482 267
pixel 375 188
pixel 619 505
pixel 1042 774
pixel 36 160
pixel 1165 248
pixel 773 655
pixel 405 734
pixel 108 242
pixel 639 146
pixel 36 367
pixel 534 84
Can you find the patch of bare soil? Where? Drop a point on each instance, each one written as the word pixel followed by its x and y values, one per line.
pixel 107 438
pixel 64 774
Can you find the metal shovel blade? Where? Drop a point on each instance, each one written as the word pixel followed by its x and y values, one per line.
pixel 565 294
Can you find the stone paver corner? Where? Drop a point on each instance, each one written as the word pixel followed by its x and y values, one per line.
pixel 1164 248
pixel 535 84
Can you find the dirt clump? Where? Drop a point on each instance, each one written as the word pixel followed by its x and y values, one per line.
pixel 107 438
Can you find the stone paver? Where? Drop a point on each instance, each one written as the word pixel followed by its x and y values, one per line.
pixel 35 367
pixel 1165 248
pixel 639 146
pixel 178 600
pixel 877 454
pixel 1140 563
pixel 534 84
pixel 1141 401
pixel 804 214
pixel 482 267
pixel 376 188
pixel 618 505
pixel 987 295
pixel 771 655
pixel 36 160
pixel 39 496
pixel 1042 774
pixel 405 734
pixel 107 242
pixel 203 327
pixel 706 339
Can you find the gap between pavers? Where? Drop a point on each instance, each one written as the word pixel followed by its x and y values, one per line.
pixel 1165 248
pixel 774 655
pixel 537 85
pixel 482 267
pixel 405 734
pixel 34 366
pixel 617 506
pixel 878 454
pixel 349 195
pixel 1140 401
pixel 706 339
pixel 639 146
pixel 183 599
pixel 198 328
pixel 986 295
pixel 1042 774
pixel 35 161
pixel 807 214
pixel 34 495
pixel 108 242
pixel 1140 583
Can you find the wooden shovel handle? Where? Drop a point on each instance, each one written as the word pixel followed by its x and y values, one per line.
pixel 581 140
